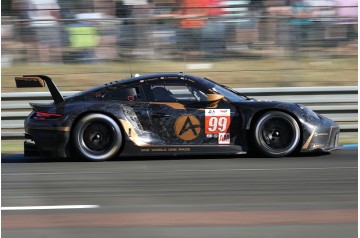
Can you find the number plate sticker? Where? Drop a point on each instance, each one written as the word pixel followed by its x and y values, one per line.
pixel 217 121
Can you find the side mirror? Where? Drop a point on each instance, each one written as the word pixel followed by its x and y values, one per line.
pixel 214 99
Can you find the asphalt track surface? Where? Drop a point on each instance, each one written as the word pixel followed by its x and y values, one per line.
pixel 217 197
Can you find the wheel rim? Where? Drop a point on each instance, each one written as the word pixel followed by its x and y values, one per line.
pixel 98 137
pixel 278 134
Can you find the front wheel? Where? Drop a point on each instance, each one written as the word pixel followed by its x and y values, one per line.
pixel 97 137
pixel 276 134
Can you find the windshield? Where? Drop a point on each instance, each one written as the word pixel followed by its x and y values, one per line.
pixel 229 93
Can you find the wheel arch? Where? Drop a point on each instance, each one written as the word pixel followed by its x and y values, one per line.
pixel 257 115
pixel 70 145
pixel 83 114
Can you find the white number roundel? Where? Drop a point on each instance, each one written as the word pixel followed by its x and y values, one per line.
pixel 217 124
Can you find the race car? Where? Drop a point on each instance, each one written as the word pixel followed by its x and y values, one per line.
pixel 169 114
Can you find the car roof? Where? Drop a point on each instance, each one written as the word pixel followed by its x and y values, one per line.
pixel 136 79
pixel 154 75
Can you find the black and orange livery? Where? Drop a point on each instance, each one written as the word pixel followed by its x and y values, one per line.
pixel 169 114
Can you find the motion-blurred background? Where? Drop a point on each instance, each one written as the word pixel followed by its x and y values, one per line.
pixel 261 43
pixel 243 44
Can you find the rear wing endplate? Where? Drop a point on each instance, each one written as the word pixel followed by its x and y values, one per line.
pixel 30 81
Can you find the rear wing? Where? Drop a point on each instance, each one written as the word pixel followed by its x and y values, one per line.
pixel 31 81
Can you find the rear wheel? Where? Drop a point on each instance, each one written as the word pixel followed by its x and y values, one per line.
pixel 276 134
pixel 97 137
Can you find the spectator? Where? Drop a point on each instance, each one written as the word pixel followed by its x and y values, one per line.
pixel 133 34
pixel 241 18
pixel 23 32
pixel 277 28
pixel 192 21
pixel 44 15
pixel 107 30
pixel 127 28
pixel 7 35
pixel 143 16
pixel 256 10
pixel 347 11
pixel 323 13
pixel 299 22
pixel 235 15
pixel 83 37
pixel 164 34
pixel 214 30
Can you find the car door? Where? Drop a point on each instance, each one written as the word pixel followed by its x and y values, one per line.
pixel 180 114
pixel 134 107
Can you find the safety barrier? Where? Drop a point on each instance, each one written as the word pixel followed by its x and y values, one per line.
pixel 337 103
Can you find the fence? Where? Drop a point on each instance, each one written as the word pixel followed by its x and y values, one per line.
pixel 155 34
pixel 337 103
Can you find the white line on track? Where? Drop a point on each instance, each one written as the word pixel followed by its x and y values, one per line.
pixel 186 170
pixel 48 207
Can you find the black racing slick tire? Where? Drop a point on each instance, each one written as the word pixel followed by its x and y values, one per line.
pixel 276 134
pixel 97 137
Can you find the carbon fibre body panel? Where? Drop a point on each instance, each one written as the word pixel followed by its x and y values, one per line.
pixel 152 127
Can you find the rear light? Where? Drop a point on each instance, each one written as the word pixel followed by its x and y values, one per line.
pixel 46 116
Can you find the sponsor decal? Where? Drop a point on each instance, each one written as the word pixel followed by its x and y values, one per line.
pixel 165 149
pixel 187 127
pixel 224 138
pixel 314 145
pixel 210 112
pixel 217 121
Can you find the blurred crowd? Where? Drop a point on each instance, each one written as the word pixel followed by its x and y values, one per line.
pixel 62 31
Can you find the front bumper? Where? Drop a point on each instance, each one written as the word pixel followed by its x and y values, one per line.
pixel 323 137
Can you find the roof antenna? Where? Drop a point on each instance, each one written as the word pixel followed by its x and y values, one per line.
pixel 185 61
pixel 131 75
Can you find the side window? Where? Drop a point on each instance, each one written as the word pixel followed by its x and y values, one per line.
pixel 176 91
pixel 126 94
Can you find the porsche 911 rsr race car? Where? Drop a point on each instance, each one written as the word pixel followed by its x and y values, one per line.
pixel 169 114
